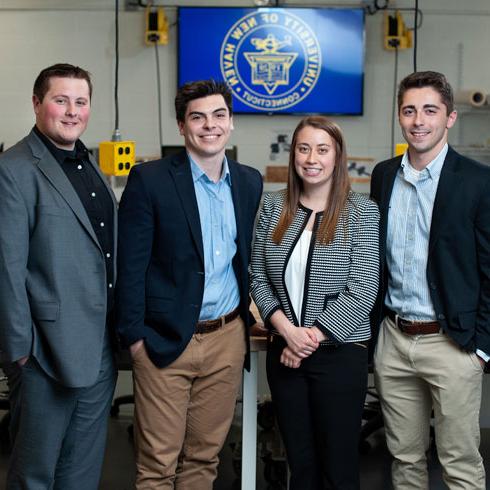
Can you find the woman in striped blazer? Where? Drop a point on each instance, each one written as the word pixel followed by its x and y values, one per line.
pixel 314 278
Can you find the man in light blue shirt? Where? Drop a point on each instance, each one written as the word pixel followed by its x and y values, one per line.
pixel 182 300
pixel 433 311
pixel 218 228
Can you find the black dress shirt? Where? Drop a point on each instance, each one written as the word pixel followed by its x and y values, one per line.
pixel 94 197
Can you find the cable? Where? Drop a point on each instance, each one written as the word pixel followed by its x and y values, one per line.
pixel 159 98
pixel 394 105
pixel 415 29
pixel 116 134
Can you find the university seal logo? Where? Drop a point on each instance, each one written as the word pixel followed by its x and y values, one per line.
pixel 271 59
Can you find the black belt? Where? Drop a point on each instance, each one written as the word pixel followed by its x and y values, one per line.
pixel 409 327
pixel 207 326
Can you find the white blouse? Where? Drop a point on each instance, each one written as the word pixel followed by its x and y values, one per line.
pixel 296 270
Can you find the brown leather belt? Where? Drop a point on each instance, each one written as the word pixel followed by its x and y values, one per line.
pixel 207 326
pixel 413 328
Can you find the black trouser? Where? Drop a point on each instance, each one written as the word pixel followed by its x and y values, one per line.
pixel 319 408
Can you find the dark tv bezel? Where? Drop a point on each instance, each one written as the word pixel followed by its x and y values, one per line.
pixel 287 113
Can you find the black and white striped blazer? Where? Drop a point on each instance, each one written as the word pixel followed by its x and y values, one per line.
pixel 341 278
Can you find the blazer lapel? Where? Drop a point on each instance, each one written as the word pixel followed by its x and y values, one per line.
pixel 55 175
pixel 240 203
pixel 448 182
pixel 386 190
pixel 182 175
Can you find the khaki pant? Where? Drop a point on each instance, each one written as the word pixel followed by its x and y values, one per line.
pixel 415 375
pixel 183 412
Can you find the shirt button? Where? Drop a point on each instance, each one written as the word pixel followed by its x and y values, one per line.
pixel 79 167
pixel 102 224
pixel 440 316
pixel 93 194
pixel 218 252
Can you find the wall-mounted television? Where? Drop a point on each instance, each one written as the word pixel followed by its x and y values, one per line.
pixel 277 60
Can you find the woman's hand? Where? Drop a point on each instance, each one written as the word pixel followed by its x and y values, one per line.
pixel 300 340
pixel 289 359
pixel 320 336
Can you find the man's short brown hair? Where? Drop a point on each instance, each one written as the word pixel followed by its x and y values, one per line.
pixel 197 90
pixel 60 70
pixel 421 79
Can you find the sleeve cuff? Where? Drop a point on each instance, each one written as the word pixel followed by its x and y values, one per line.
pixel 328 333
pixel 483 355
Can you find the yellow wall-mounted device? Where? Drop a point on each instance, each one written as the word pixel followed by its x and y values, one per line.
pixel 116 157
pixel 156 26
pixel 396 33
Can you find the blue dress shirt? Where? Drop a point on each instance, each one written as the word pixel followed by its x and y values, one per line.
pixel 219 233
pixel 409 220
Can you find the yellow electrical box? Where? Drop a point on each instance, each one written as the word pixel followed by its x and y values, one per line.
pixel 400 148
pixel 156 26
pixel 396 33
pixel 116 157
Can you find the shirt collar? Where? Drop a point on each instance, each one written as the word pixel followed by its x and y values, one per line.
pixel 80 152
pixel 198 172
pixel 433 169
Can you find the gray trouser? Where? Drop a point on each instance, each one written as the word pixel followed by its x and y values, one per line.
pixel 58 433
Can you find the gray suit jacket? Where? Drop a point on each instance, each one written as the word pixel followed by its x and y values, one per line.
pixel 52 268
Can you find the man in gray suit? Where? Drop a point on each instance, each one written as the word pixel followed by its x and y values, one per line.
pixel 57 253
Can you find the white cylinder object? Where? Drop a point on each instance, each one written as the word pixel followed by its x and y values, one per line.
pixel 473 97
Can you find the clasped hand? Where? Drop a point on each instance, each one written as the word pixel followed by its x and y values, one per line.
pixel 302 342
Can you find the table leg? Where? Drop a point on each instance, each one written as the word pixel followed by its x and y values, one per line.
pixel 249 425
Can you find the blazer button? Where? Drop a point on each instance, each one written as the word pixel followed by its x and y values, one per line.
pixel 440 316
pixel 432 285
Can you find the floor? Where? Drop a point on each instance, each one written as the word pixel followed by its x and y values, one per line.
pixel 118 473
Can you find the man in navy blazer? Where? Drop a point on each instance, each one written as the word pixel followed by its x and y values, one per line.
pixel 434 302
pixel 186 227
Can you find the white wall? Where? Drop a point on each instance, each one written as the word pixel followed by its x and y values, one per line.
pixel 35 33
pixel 450 40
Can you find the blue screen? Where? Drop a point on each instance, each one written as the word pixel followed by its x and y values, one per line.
pixel 277 60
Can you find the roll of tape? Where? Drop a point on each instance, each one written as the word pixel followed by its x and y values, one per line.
pixel 475 98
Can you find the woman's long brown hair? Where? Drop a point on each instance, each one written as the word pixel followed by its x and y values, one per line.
pixel 339 189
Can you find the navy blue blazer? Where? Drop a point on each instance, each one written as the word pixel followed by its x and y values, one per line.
pixel 458 266
pixel 161 262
